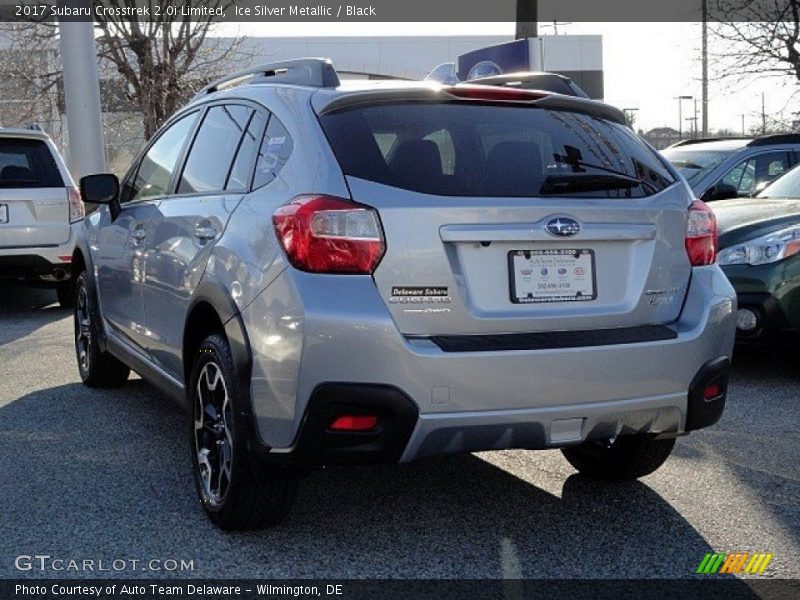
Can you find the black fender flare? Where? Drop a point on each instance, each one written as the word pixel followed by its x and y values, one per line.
pixel 82 248
pixel 218 296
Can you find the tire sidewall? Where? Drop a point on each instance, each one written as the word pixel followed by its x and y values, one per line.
pixel 215 349
pixel 82 282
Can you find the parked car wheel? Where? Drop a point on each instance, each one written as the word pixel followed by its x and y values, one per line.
pixel 66 294
pixel 235 493
pixel 626 457
pixel 97 368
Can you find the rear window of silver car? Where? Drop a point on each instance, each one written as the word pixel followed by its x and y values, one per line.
pixel 28 164
pixel 460 149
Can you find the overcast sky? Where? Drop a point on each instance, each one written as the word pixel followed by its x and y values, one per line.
pixel 646 66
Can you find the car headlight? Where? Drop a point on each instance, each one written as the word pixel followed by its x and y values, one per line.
pixel 762 250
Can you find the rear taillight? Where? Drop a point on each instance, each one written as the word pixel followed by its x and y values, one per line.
pixel 701 234
pixel 323 234
pixel 76 209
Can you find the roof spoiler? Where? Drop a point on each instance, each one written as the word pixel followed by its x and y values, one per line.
pixel 437 93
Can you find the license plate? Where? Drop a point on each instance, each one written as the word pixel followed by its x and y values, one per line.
pixel 3 213
pixel 564 275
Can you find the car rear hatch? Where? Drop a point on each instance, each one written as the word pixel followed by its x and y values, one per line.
pixel 526 213
pixel 34 202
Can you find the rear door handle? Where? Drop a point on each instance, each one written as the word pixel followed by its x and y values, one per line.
pixel 205 232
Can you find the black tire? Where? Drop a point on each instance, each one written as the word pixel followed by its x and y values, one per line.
pixel 628 457
pixel 98 369
pixel 65 292
pixel 235 493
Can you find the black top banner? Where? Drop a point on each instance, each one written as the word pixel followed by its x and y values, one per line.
pixel 543 11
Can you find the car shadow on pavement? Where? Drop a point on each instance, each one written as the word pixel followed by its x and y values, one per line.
pixel 23 310
pixel 106 474
pixel 756 438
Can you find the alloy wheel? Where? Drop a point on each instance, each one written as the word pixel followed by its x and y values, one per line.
pixel 213 433
pixel 83 331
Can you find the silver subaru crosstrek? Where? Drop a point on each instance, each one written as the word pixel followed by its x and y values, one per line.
pixel 377 272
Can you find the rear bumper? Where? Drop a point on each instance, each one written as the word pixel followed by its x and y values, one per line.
pixel 40 264
pixel 478 400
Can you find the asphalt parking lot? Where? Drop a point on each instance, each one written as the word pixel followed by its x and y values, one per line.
pixel 106 475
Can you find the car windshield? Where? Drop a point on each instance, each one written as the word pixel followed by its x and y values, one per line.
pixel 480 150
pixel 695 164
pixel 787 186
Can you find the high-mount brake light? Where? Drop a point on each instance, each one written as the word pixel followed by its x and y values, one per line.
pixel 492 93
pixel 324 234
pixel 701 234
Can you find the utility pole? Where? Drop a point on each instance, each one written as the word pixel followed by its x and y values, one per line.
pixel 704 60
pixel 527 14
pixel 763 116
pixel 742 115
pixel 82 98
pixel 680 100
pixel 694 120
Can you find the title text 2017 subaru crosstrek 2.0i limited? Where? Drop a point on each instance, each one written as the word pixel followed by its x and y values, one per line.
pixel 329 273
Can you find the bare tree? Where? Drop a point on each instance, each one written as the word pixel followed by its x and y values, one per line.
pixel 757 38
pixel 150 67
pixel 164 61
pixel 30 70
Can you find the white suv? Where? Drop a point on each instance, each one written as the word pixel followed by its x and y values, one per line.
pixel 40 208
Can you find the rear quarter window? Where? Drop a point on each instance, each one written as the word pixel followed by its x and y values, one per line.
pixel 460 149
pixel 27 163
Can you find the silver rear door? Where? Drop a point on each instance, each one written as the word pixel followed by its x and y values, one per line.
pixel 449 269
pixel 488 212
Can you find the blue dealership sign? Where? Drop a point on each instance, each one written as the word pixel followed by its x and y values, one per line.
pixel 495 60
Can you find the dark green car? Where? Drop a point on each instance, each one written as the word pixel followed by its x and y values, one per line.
pixel 759 241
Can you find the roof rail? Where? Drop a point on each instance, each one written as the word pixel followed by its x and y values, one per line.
pixel 778 138
pixel 313 72
pixel 689 142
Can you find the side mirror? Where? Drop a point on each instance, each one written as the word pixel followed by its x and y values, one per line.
pixel 102 188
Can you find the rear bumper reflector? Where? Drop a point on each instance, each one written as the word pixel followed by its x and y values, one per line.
pixel 554 339
pixel 707 394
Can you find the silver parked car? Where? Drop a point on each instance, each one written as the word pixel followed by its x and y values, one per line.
pixel 720 169
pixel 379 272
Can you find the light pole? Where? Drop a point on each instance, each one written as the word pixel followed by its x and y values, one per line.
pixel 680 100
pixel 527 17
pixel 704 60
pixel 82 98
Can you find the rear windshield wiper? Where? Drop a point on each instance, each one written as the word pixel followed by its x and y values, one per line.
pixel 572 159
pixel 587 182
